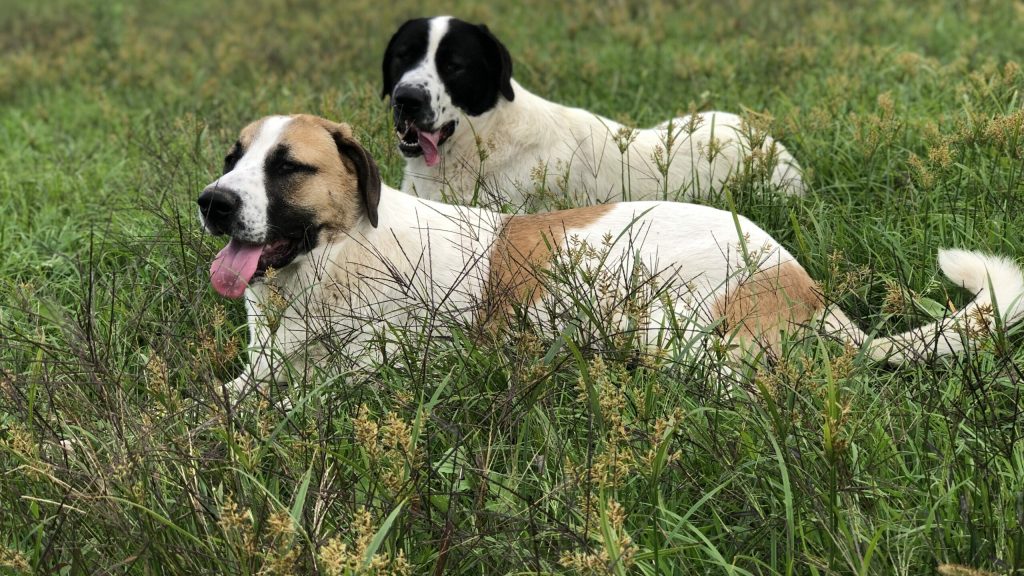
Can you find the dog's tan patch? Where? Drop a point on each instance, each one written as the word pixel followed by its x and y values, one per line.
pixel 778 299
pixel 523 249
pixel 332 193
pixel 249 133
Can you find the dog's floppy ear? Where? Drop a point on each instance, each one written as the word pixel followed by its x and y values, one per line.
pixel 366 171
pixel 504 62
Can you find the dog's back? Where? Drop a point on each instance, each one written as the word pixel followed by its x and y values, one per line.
pixel 470 132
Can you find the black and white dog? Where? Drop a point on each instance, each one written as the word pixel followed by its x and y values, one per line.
pixel 468 130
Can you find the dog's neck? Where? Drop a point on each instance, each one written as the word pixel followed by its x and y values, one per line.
pixel 415 226
pixel 418 246
pixel 504 118
pixel 400 214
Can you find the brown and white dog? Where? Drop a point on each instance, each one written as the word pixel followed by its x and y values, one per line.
pixel 468 130
pixel 354 260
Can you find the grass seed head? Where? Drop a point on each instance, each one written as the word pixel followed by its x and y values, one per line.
pixel 14 561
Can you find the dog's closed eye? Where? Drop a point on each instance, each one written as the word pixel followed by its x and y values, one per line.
pixel 281 164
pixel 453 66
pixel 288 167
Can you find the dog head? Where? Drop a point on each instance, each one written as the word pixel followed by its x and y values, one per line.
pixel 290 183
pixel 437 69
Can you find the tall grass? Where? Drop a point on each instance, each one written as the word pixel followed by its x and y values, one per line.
pixel 121 452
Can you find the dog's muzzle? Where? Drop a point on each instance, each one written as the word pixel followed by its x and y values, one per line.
pixel 219 208
pixel 411 103
pixel 414 124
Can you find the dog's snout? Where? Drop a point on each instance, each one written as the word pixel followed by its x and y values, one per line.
pixel 409 100
pixel 219 206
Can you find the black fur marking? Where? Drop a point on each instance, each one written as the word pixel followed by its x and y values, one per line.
pixel 285 221
pixel 475 67
pixel 234 155
pixel 407 47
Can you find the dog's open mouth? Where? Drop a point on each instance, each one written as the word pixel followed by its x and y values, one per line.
pixel 239 264
pixel 413 141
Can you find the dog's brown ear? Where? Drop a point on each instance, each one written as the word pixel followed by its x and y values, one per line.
pixel 366 170
pixel 499 53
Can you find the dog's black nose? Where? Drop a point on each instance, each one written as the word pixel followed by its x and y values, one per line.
pixel 409 101
pixel 219 207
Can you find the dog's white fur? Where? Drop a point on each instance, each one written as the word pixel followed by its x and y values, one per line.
pixel 505 153
pixel 428 260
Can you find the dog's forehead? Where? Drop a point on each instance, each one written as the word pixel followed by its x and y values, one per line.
pixel 310 139
pixel 418 38
pixel 440 29
pixel 414 33
pixel 260 136
pixel 459 35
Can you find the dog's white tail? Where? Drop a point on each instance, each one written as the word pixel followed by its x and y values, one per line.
pixel 996 282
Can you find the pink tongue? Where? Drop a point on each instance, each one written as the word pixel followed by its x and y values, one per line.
pixel 233 267
pixel 428 142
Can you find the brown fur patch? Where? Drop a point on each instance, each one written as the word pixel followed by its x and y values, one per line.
pixel 774 300
pixel 522 251
pixel 333 192
pixel 249 133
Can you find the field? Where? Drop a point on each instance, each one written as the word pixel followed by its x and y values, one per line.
pixel 121 453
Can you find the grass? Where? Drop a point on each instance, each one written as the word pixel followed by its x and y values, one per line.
pixel 119 452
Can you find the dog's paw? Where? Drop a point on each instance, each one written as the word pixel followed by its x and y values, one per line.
pixel 237 386
pixel 242 387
